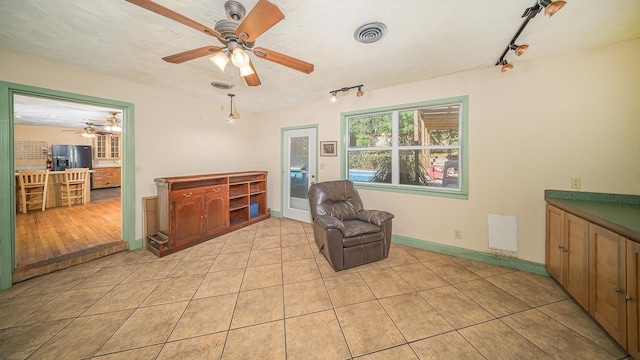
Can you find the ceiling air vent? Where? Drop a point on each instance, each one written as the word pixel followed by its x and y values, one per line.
pixel 370 33
pixel 221 85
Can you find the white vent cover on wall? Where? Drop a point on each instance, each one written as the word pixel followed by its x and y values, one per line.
pixel 503 232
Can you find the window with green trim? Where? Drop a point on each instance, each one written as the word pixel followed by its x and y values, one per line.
pixel 416 147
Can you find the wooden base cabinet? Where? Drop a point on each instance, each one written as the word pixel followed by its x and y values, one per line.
pixel 632 297
pixel 193 209
pixel 601 270
pixel 608 281
pixel 567 253
pixel 105 177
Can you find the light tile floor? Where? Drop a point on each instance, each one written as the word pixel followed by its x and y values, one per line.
pixel 264 292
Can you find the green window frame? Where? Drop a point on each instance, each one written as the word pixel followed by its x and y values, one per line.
pixel 388 146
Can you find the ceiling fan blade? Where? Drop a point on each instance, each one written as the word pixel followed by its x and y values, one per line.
pixel 283 59
pixel 260 19
pixel 253 79
pixel 168 13
pixel 191 54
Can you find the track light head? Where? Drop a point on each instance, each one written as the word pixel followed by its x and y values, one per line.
pixel 519 49
pixel 334 96
pixel 505 66
pixel 360 92
pixel 551 7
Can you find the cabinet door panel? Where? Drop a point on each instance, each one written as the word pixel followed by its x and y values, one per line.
pixel 577 265
pixel 633 306
pixel 216 214
pixel 187 218
pixel 607 279
pixel 555 243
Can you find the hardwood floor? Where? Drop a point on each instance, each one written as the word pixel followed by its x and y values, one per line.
pixel 58 232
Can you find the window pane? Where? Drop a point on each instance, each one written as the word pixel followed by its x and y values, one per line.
pixel 370 166
pixel 430 126
pixel 441 170
pixel 412 131
pixel 368 131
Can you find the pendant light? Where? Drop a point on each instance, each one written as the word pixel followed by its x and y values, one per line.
pixel 231 119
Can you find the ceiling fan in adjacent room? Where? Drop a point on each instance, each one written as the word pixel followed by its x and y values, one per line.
pixel 89 131
pixel 238 34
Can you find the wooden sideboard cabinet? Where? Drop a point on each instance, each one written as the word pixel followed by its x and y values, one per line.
pixel 193 209
pixel 600 269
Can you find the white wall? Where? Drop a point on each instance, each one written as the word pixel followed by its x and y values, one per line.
pixel 533 128
pixel 174 134
pixel 530 129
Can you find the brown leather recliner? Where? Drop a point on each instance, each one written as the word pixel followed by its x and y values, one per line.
pixel 346 234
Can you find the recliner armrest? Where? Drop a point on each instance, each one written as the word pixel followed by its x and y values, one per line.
pixel 329 222
pixel 377 217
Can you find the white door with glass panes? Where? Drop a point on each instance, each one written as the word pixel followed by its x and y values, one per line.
pixel 299 172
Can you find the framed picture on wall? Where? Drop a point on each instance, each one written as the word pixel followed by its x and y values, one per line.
pixel 328 148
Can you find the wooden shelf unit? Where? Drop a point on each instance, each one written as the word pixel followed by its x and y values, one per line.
pixel 193 209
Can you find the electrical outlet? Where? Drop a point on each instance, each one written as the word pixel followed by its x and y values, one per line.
pixel 576 183
pixel 457 234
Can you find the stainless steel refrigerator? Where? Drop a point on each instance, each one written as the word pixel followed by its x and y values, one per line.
pixel 72 156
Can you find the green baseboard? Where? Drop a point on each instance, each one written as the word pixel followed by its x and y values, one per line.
pixel 493 259
pixel 275 213
pixel 136 244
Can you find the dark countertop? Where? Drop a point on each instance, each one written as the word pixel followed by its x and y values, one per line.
pixel 618 213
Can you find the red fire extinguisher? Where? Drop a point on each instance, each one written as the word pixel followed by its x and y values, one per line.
pixel 48 164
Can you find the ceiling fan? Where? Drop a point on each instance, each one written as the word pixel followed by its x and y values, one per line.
pixel 237 34
pixel 89 131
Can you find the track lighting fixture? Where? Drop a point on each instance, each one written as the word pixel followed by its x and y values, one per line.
pixel 551 7
pixel 334 93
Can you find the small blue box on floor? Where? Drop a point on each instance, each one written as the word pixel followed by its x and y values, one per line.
pixel 253 209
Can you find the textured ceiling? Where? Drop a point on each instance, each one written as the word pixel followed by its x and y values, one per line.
pixel 425 39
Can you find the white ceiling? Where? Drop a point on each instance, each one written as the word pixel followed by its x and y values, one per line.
pixel 425 39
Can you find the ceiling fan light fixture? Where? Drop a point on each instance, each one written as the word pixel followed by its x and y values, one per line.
pixel 246 71
pixel 220 60
pixel 239 58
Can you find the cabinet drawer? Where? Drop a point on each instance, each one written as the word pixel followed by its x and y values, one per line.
pixel 183 194
pixel 218 189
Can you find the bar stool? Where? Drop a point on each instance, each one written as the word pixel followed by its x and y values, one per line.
pixel 33 186
pixel 73 185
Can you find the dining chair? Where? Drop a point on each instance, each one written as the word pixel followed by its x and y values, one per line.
pixel 33 188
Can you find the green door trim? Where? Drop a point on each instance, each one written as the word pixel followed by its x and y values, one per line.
pixel 7 177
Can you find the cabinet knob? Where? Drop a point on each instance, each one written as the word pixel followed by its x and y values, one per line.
pixel 187 195
pixel 627 297
pixel 618 290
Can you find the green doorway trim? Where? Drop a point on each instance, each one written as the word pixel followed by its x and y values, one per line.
pixel 7 177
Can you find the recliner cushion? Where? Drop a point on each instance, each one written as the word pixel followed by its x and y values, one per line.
pixel 357 227
pixel 360 240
